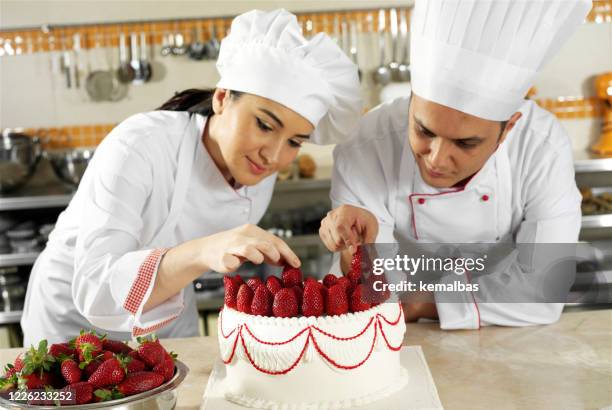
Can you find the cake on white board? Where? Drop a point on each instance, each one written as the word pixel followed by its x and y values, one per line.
pixel 323 347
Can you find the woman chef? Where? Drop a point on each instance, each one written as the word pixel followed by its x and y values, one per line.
pixel 176 192
pixel 465 158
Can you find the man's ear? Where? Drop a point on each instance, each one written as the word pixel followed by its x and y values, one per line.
pixel 509 125
pixel 220 100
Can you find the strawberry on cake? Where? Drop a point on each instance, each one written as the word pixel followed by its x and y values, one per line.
pixel 291 343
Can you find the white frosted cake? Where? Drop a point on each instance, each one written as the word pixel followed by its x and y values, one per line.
pixel 324 362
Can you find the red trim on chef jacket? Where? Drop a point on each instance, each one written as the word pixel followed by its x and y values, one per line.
pixel 143 280
pixel 139 331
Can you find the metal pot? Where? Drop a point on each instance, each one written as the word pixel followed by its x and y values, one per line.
pixel 70 164
pixel 160 398
pixel 19 156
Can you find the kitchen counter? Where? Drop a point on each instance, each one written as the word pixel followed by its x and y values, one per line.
pixel 565 365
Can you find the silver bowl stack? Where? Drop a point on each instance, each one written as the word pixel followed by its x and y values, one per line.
pixel 19 156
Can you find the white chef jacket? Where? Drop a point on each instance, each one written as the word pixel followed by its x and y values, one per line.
pixel 525 193
pixel 151 185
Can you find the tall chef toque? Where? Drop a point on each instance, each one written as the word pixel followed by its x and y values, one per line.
pixel 266 54
pixel 481 56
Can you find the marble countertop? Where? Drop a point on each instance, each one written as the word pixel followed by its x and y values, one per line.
pixel 564 365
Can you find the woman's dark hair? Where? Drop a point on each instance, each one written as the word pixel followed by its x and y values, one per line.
pixel 194 100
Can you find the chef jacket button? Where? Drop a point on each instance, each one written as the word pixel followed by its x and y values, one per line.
pixel 421 201
pixel 485 198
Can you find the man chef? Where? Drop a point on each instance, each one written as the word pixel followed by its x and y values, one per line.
pixel 465 158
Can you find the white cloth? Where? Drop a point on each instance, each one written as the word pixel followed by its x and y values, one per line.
pixel 266 54
pixel 531 198
pixel 481 56
pixel 120 213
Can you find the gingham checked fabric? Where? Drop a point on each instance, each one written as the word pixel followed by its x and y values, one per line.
pixel 143 280
pixel 139 331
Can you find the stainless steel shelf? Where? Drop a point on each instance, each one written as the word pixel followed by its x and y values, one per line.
pixel 47 195
pixel 585 161
pixel 18 259
pixel 10 317
pixel 597 221
pixel 302 185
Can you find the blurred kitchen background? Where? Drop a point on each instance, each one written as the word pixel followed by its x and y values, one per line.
pixel 71 70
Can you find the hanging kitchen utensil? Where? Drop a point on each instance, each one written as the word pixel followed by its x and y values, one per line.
pixel 344 35
pixel 394 63
pixel 213 45
pixel 197 48
pixel 99 81
pixel 309 32
pixel 354 45
pixel 145 65
pixel 76 49
pixel 135 61
pixel 180 48
pixel 167 44
pixel 125 72
pixel 403 70
pixel 382 74
pixel 119 90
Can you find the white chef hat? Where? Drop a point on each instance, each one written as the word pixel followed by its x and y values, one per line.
pixel 266 54
pixel 481 56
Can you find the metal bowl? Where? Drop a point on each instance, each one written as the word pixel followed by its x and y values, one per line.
pixel 19 156
pixel 70 164
pixel 160 398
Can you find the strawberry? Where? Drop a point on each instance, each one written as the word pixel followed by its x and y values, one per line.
pixel 35 362
pixel 231 291
pixel 313 303
pixel 140 382
pixel 370 294
pixel 88 346
pixel 134 354
pixel 309 278
pixel 82 392
pixel 151 352
pixel 134 365
pixel 37 380
pixel 58 349
pixel 285 303
pixel 71 371
pixel 262 302
pixel 291 277
pixel 116 346
pixel 165 368
pixel 254 283
pixel 239 281
pixel 337 301
pixel 18 363
pixel 244 299
pixel 344 281
pixel 109 372
pixel 358 302
pixel 90 368
pixel 299 295
pixel 355 272
pixel 330 280
pixel 273 284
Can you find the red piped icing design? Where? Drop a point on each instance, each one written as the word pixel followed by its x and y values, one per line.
pixel 310 333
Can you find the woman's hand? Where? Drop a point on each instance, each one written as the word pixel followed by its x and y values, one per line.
pixel 347 227
pixel 222 252
pixel 226 251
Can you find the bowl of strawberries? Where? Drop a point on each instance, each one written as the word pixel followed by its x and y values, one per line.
pixel 93 372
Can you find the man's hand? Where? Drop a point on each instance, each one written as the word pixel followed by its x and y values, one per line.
pixel 347 227
pixel 420 305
